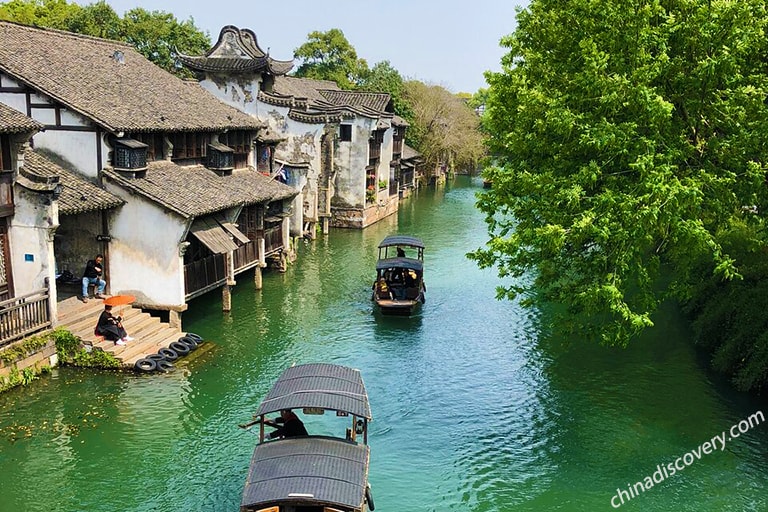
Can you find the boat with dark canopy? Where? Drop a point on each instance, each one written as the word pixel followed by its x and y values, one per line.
pixel 312 473
pixel 399 286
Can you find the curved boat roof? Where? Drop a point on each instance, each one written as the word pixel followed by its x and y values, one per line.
pixel 401 240
pixel 318 385
pixel 409 263
pixel 313 470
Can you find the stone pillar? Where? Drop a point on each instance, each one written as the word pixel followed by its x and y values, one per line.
pixel 258 282
pixel 226 298
pixel 174 319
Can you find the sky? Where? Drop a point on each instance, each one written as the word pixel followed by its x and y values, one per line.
pixel 443 42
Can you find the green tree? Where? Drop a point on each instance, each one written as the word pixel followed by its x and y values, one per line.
pixel 444 129
pixel 157 35
pixel 329 56
pixel 629 137
pixel 39 13
pixel 382 77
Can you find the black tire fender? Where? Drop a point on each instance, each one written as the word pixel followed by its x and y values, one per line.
pixel 196 337
pixel 180 348
pixel 189 342
pixel 165 366
pixel 369 498
pixel 145 365
pixel 156 357
pixel 168 354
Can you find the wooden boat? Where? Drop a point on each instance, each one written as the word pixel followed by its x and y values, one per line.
pixel 399 286
pixel 312 473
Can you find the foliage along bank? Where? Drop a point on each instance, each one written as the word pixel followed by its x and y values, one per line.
pixel 69 351
pixel 630 138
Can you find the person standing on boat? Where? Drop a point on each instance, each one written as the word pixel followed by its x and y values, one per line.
pixel 291 426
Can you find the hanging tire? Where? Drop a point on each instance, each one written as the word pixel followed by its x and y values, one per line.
pixel 369 498
pixel 189 342
pixel 168 354
pixel 180 348
pixel 156 357
pixel 145 365
pixel 197 338
pixel 165 366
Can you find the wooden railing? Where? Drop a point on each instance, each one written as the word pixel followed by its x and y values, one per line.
pixel 246 256
pixel 203 275
pixel 273 240
pixel 24 315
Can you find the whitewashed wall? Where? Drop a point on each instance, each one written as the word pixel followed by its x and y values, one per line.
pixel 145 248
pixel 31 240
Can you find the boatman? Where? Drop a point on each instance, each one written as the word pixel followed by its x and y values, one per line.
pixel 291 426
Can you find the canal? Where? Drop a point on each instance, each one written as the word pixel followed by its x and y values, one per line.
pixel 477 405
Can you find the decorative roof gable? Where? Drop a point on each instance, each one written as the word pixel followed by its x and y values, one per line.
pixel 236 51
pixel 111 84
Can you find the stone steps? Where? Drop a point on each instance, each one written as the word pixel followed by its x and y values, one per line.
pixel 149 333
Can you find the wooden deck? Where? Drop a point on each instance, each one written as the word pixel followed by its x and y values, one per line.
pixel 149 333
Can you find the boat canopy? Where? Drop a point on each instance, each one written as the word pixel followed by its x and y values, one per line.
pixel 406 240
pixel 316 469
pixel 408 263
pixel 318 385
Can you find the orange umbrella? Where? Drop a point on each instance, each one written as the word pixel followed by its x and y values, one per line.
pixel 119 300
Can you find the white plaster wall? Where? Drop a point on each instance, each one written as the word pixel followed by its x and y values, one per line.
pixel 145 248
pixel 15 101
pixel 241 95
pixel 351 160
pixel 31 233
pixel 78 148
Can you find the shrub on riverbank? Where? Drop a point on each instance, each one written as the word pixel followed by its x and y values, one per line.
pixel 71 351
pixel 729 317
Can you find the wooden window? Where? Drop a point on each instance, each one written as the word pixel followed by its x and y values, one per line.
pixel 240 142
pixel 189 145
pixel 345 133
pixel 154 142
pixel 5 153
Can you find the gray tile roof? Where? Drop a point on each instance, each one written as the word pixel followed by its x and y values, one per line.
pixel 195 191
pixel 111 83
pixel 375 101
pixel 13 121
pixel 303 87
pixel 409 153
pixel 78 195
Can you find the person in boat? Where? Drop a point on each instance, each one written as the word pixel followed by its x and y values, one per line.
pixel 287 425
pixel 382 289
pixel 111 327
pixel 400 252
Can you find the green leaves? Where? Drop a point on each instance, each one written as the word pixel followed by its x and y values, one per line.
pixel 627 136
pixel 329 56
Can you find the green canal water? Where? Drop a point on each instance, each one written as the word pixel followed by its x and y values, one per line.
pixel 477 405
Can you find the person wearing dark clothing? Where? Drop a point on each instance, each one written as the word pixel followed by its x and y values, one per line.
pixel 400 252
pixel 291 426
pixel 92 275
pixel 111 327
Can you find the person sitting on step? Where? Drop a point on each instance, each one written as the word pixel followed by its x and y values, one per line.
pixel 111 327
